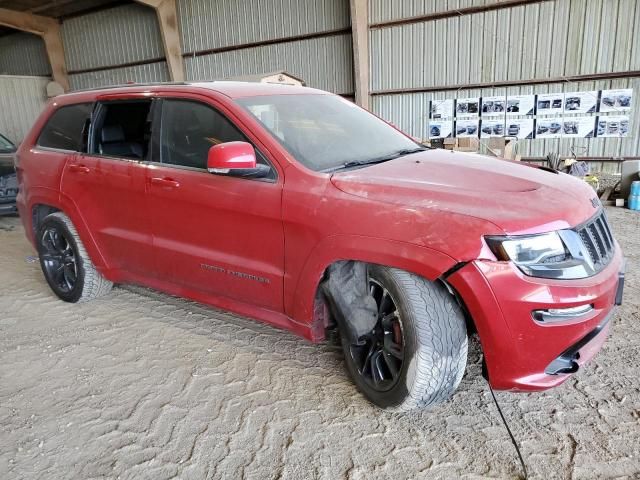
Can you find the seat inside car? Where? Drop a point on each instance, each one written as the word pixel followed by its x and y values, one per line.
pixel 113 142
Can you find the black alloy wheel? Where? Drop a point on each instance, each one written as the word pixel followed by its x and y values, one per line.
pixel 59 260
pixel 379 360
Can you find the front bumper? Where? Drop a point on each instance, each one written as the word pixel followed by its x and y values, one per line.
pixel 520 352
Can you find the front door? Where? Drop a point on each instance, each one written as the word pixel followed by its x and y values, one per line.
pixel 211 233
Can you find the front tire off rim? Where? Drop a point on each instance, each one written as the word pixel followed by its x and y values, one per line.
pixel 59 259
pixel 380 358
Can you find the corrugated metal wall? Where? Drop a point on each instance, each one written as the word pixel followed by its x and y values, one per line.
pixel 324 62
pixel 541 40
pixel 386 10
pixel 111 38
pixel 23 54
pixel 130 34
pixel 207 24
pixel 150 72
pixel 21 101
pixel 125 34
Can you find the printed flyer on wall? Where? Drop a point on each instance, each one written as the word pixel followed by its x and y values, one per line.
pixel 492 128
pixel 440 129
pixel 578 127
pixel 580 102
pixel 493 106
pixel 467 128
pixel 550 103
pixel 521 128
pixel 616 100
pixel 467 107
pixel 549 127
pixel 442 108
pixel 613 126
pixel 521 104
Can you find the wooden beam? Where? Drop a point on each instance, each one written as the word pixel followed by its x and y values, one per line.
pixel 26 22
pixel 168 21
pixel 55 52
pixel 360 39
pixel 49 30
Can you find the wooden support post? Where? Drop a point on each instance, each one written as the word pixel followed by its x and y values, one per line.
pixel 360 38
pixel 168 21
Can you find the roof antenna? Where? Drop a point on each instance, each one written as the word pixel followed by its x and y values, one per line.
pixel 485 374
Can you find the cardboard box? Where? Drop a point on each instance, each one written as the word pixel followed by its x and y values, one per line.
pixel 467 144
pixel 501 147
pixel 450 143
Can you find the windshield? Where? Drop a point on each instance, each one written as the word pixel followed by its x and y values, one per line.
pixel 325 132
pixel 6 146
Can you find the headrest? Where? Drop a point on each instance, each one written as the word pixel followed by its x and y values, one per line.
pixel 112 134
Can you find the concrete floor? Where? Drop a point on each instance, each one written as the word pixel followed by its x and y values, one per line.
pixel 142 385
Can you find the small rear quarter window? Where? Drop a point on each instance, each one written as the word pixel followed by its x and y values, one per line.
pixel 65 127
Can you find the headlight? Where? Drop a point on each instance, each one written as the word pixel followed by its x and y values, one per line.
pixel 549 255
pixel 533 250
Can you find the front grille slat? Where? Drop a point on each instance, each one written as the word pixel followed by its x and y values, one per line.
pixel 598 241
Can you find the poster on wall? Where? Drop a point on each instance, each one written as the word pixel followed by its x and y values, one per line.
pixel 520 104
pixel 578 127
pixel 492 128
pixel 440 129
pixel 442 108
pixel 613 126
pixel 549 127
pixel 467 128
pixel 521 128
pixel 467 107
pixel 550 103
pixel 493 106
pixel 616 100
pixel 580 102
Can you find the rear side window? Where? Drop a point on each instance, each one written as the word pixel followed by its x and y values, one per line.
pixel 66 127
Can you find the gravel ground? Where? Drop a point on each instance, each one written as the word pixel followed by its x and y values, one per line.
pixel 143 385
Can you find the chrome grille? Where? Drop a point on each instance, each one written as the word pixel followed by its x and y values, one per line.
pixel 598 240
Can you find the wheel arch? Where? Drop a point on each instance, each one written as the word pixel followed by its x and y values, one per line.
pixel 40 208
pixel 423 261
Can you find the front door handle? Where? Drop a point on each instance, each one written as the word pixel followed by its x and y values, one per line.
pixel 165 182
pixel 79 168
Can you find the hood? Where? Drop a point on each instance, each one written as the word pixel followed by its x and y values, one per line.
pixel 515 197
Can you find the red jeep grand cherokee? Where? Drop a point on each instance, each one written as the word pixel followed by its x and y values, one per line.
pixel 300 209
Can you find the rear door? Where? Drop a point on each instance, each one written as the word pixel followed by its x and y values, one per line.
pixel 214 234
pixel 107 183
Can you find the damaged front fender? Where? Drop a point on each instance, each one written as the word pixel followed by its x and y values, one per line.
pixel 346 290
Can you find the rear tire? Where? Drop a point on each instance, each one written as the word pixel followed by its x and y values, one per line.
pixel 414 358
pixel 65 263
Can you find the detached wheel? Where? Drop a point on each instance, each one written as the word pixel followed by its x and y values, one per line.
pixel 65 263
pixel 417 353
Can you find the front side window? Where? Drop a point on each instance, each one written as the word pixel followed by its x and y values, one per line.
pixel 189 129
pixel 324 132
pixel 66 127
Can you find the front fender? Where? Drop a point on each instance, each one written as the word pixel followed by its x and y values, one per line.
pixel 300 292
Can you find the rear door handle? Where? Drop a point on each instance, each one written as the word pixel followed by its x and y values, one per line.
pixel 165 182
pixel 79 168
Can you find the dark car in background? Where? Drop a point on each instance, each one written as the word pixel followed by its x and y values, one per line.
pixel 8 181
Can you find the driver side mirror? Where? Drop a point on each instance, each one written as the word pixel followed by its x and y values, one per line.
pixel 236 159
pixel 225 157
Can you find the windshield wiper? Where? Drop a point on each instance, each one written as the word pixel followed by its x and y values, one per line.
pixel 372 161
